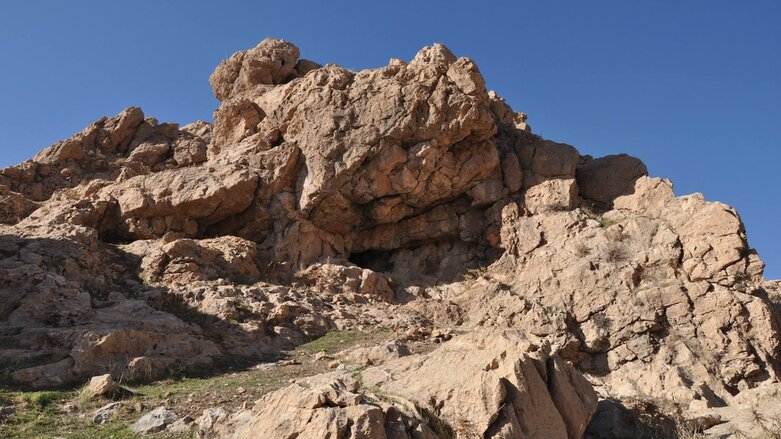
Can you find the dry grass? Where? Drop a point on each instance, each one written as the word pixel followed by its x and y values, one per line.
pixel 616 252
pixel 581 250
pixel 42 414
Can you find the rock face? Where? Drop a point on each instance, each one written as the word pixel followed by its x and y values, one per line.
pixel 407 197
pixel 491 384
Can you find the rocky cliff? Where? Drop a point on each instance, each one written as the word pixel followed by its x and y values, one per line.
pixel 406 197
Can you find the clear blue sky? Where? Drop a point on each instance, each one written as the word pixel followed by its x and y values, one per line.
pixel 692 87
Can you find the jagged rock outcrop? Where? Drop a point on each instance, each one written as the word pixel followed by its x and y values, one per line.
pixel 116 147
pixel 490 384
pixel 647 301
pixel 65 318
pixel 406 196
pixel 14 206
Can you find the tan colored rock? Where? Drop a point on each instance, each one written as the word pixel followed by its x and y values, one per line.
pixel 375 355
pixel 327 405
pixel 340 279
pixel 493 384
pixel 111 148
pixel 605 178
pixel 486 384
pixel 183 261
pixel 624 280
pixel 14 207
pixel 271 62
pixel 406 197
pixel 102 385
pixel 551 195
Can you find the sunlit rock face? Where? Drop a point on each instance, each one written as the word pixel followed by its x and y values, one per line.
pixel 407 196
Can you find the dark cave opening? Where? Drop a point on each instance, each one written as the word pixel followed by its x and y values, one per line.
pixel 375 260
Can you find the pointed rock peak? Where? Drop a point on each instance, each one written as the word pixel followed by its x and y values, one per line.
pixel 435 54
pixel 271 62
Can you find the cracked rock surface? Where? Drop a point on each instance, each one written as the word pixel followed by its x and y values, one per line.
pixel 406 197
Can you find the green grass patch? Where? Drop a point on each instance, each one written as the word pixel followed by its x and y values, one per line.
pixel 333 341
pixel 40 415
pixel 186 386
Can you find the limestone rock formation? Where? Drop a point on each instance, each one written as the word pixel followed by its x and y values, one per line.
pixel 407 197
pixel 491 384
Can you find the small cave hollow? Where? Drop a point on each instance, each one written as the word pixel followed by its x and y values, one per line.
pixel 375 260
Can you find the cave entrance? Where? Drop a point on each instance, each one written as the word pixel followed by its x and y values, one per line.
pixel 375 260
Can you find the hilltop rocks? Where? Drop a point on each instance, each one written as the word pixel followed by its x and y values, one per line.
pixel 603 179
pixel 271 62
pixel 407 197
pixel 621 295
pixel 712 236
pixel 111 148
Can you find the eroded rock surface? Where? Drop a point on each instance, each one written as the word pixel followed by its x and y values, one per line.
pixel 407 197
pixel 491 384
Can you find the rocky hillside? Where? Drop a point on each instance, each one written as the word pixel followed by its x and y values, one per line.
pixel 561 290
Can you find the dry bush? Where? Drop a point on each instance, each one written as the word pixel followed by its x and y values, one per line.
pixel 616 252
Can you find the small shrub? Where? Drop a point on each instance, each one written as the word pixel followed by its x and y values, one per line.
pixel 616 252
pixel 605 222
pixel 437 425
pixel 358 377
pixel 601 321
pixel 581 250
pixel 473 274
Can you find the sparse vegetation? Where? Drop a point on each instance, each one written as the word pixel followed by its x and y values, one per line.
pixel 601 321
pixel 437 425
pixel 616 252
pixel 358 377
pixel 615 234
pixel 659 419
pixel 473 275
pixel 766 427
pixel 333 341
pixel 581 250
pixel 599 217
pixel 42 414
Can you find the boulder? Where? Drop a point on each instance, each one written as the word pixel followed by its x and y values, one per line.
pixel 603 179
pixel 155 421
pixel 102 385
pixel 104 414
pixel 375 355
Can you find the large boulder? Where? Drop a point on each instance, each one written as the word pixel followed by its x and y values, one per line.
pixel 603 179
